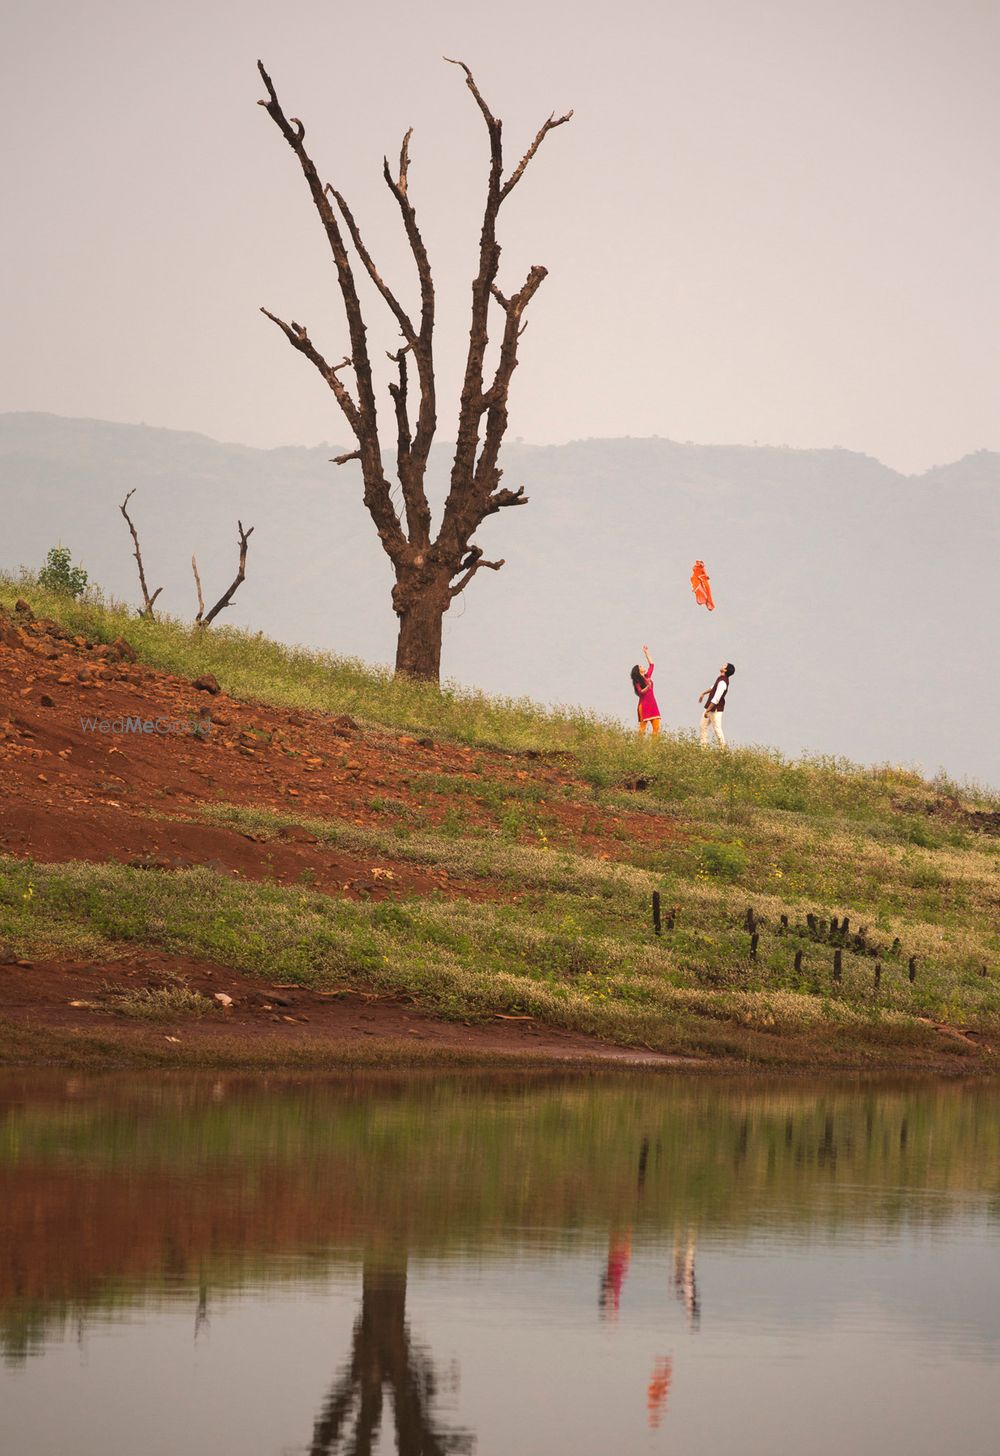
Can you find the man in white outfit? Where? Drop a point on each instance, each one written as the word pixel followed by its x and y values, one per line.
pixel 716 704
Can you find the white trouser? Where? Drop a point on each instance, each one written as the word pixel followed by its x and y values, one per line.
pixel 716 721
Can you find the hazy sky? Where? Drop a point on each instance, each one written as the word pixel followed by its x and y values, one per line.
pixel 769 220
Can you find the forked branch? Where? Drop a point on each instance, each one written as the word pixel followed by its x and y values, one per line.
pixel 473 562
pixel 543 132
pixel 298 336
pixel 474 474
pixel 227 596
pixel 147 600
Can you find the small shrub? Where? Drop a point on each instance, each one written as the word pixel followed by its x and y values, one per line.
pixel 916 831
pixel 724 861
pixel 60 575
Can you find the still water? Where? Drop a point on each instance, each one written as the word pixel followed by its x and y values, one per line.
pixel 538 1267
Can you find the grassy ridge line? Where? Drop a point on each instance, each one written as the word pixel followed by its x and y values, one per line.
pixel 252 666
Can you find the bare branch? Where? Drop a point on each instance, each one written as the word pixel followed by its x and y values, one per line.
pixel 473 562
pixel 299 339
pixel 472 405
pixel 501 498
pixel 491 120
pixel 294 134
pixel 227 596
pixel 398 392
pixel 343 459
pixel 477 401
pixel 147 600
pixel 404 161
pixel 362 416
pixel 409 469
pixel 423 350
pixel 543 132
pixel 197 584
pixel 495 398
pixel 402 318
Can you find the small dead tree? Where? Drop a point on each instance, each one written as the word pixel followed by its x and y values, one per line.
pixel 204 618
pixel 430 573
pixel 197 587
pixel 147 600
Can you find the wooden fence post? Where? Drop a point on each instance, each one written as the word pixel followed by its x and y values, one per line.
pixel 656 912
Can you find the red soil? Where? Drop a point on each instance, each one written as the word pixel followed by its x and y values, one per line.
pixel 72 793
pixel 80 997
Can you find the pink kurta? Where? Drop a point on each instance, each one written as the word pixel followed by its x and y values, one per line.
pixel 647 698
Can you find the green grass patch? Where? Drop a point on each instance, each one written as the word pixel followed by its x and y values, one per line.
pixel 574 958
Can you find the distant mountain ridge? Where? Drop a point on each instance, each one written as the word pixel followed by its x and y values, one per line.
pixel 856 601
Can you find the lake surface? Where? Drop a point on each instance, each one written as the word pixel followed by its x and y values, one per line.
pixel 524 1267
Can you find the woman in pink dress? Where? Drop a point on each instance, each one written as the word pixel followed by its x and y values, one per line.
pixel 642 682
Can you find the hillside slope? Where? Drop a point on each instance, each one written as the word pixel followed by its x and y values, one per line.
pixel 444 862
pixel 856 602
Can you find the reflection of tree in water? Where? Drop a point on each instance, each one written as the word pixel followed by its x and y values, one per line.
pixel 383 1356
pixel 685 1283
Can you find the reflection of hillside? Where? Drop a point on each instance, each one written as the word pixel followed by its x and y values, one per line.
pixel 115 1192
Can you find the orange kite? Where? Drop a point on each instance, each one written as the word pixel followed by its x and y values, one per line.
pixel 700 586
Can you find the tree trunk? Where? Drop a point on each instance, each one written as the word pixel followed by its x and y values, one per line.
pixel 421 620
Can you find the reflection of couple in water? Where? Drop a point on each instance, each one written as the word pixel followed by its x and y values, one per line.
pixel 613 1278
pixel 685 1284
pixel 685 1287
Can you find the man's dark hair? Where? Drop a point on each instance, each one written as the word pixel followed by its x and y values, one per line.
pixel 730 669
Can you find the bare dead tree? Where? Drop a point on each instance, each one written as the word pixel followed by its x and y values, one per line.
pixel 204 618
pixel 430 573
pixel 147 600
pixel 197 587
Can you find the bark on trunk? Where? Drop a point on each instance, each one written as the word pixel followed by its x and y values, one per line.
pixel 421 621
